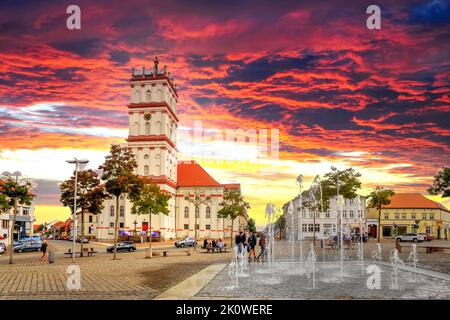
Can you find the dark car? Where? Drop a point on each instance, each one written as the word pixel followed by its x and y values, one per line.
pixel 28 247
pixel 123 246
pixel 85 239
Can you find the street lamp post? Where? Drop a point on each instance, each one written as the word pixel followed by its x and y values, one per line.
pixel 74 214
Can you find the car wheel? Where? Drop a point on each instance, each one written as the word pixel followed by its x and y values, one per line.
pixel 415 240
pixel 399 240
pixel 19 251
pixel 182 245
pixel 129 250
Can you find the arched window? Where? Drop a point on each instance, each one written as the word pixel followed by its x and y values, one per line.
pixel 208 212
pixel 145 170
pixel 111 211
pixel 186 212
pixel 197 212
pixel 147 128
pixel 160 95
pixel 138 96
pixel 122 211
pixel 136 128
pixel 148 96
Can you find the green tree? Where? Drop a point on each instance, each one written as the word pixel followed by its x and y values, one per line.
pixel 378 198
pixel 233 206
pixel 251 225
pixel 14 191
pixel 346 181
pixel 90 195
pixel 150 200
pixel 118 174
pixel 281 224
pixel 441 183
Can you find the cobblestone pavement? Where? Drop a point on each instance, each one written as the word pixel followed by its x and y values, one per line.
pixel 131 277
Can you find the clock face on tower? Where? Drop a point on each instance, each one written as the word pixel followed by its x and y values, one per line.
pixel 147 116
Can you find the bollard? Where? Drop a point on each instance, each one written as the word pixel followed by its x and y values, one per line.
pixel 51 256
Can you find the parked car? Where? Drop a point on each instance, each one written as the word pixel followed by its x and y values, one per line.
pixel 357 237
pixel 426 236
pixel 123 246
pixel 186 242
pixel 28 247
pixel 2 248
pixel 28 239
pixel 415 237
pixel 85 239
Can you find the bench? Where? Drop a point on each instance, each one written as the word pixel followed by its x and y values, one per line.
pixel 86 252
pixel 428 248
pixel 165 252
pixel 215 249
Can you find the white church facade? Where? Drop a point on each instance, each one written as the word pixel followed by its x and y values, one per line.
pixel 153 123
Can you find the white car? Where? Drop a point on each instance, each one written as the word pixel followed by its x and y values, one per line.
pixel 414 237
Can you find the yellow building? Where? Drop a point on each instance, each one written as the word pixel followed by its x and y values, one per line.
pixel 413 212
pixel 90 224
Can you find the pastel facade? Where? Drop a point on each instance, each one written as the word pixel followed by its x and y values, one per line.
pixel 413 212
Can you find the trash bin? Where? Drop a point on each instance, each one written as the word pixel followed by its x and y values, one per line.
pixel 51 256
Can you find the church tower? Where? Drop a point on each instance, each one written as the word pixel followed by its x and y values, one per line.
pixel 152 135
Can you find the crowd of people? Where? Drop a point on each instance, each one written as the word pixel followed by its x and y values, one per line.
pixel 242 242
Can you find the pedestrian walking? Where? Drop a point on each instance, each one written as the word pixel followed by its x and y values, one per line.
pixel 262 244
pixel 251 245
pixel 44 250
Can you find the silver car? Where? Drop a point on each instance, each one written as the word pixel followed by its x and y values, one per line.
pixel 414 237
pixel 186 242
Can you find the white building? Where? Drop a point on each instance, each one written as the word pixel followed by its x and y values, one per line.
pixel 322 225
pixel 24 223
pixel 153 123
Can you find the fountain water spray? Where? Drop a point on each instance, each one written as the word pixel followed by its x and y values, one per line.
pixel 412 260
pixel 311 266
pixel 361 235
pixel 340 204
pixel 318 185
pixel 376 254
pixel 292 233
pixel 300 227
pixel 395 262
pixel 271 211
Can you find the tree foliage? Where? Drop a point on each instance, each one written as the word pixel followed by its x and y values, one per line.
pixel 346 180
pixel 378 198
pixel 90 193
pixel 151 201
pixel 251 225
pixel 441 183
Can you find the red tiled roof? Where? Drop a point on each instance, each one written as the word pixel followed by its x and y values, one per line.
pixel 413 201
pixel 232 185
pixel 191 174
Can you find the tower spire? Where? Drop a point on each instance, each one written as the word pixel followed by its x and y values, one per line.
pixel 155 67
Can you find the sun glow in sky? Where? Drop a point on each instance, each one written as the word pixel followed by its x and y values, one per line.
pixel 337 93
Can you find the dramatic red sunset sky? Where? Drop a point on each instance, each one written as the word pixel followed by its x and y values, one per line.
pixel 338 93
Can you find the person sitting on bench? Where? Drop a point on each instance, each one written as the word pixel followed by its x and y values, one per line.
pixel 205 244
pixel 219 245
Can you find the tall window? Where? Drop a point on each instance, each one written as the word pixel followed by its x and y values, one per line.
pixel 397 215
pixel 208 227
pixel 424 216
pixel 197 212
pixel 428 229
pixel 145 170
pixel 90 219
pixel 138 96
pixel 148 96
pixel 147 128
pixel 344 213
pixel 111 211
pixel 431 216
pixel 386 215
pixel 5 224
pixel 197 226
pixel 208 212
pixel 351 213
pixel 304 227
pixel 122 211
pixel 186 227
pixel 327 214
pixel 413 215
pixel 186 212
pixel 404 215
